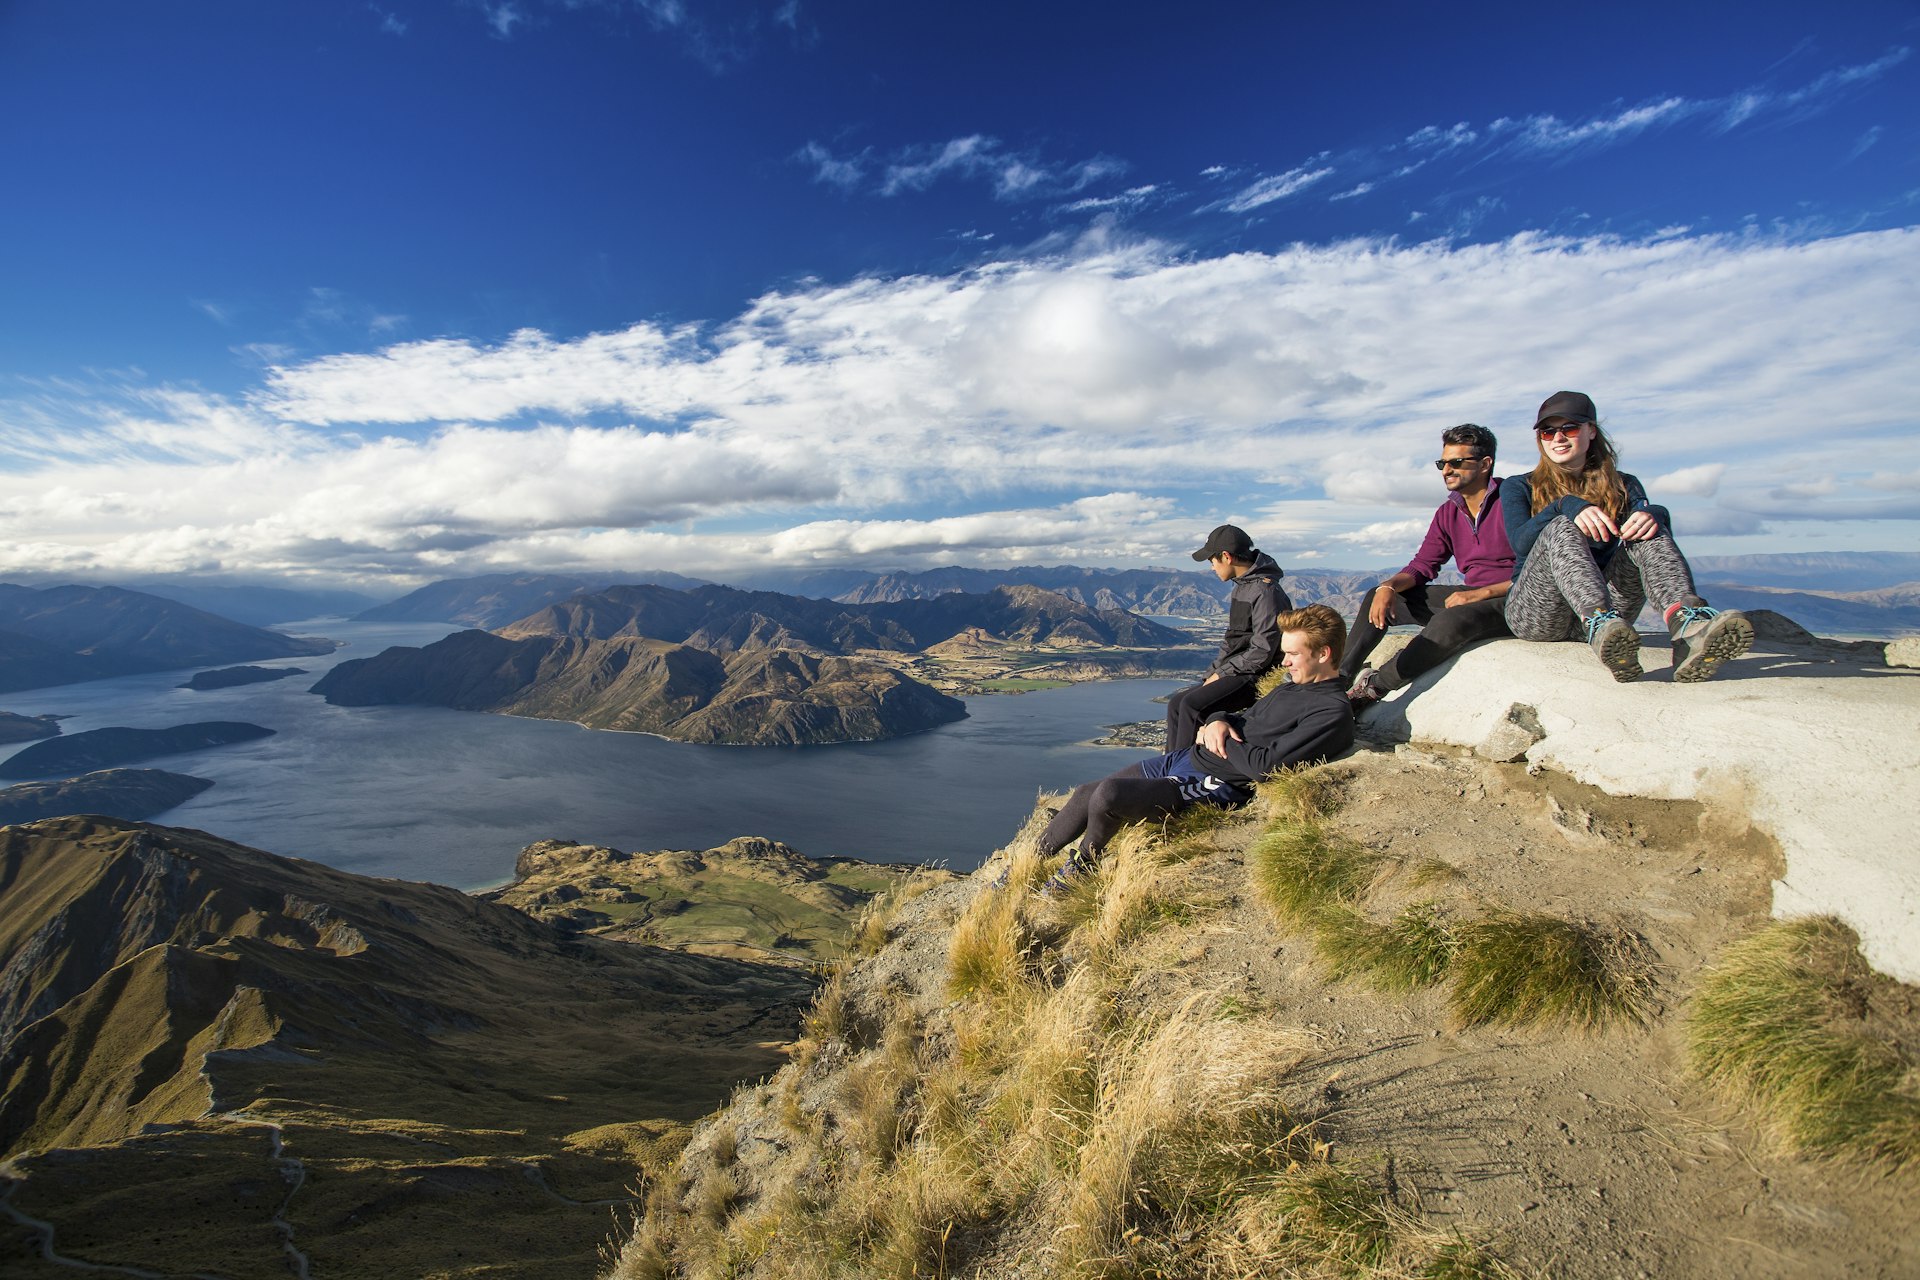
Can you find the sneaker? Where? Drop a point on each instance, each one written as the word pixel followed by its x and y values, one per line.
pixel 1703 638
pixel 1077 864
pixel 1364 692
pixel 1616 644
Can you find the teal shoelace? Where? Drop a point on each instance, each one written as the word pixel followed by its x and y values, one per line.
pixel 1598 621
pixel 1694 613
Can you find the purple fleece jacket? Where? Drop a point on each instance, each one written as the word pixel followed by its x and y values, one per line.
pixel 1480 546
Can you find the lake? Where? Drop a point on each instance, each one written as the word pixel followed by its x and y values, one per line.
pixel 424 793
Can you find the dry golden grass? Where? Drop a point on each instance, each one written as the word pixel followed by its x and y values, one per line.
pixel 1785 1023
pixel 1068 1103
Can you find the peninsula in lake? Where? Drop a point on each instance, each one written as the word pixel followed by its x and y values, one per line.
pixel 720 665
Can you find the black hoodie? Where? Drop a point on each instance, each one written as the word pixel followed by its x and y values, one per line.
pixel 1295 724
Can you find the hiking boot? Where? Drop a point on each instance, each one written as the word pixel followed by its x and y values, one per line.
pixel 1703 638
pixel 1364 692
pixel 1616 644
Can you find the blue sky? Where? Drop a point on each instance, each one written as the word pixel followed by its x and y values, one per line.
pixel 369 294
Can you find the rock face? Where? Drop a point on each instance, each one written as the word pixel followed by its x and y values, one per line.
pixel 1808 739
pixel 134 794
pixel 105 748
pixel 718 665
pixel 230 677
pixel 452 1075
pixel 67 634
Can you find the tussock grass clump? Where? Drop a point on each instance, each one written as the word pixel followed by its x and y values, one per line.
pixel 987 951
pixel 1504 967
pixel 1185 1118
pixel 1302 794
pixel 1784 1023
pixel 1413 950
pixel 1300 869
pixel 1514 967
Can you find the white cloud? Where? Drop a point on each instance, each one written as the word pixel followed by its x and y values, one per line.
pixel 1865 142
pixel 845 172
pixel 1549 133
pixel 1093 402
pixel 1702 481
pixel 1276 187
pixel 1012 175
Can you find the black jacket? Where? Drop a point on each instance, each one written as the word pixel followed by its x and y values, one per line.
pixel 1252 642
pixel 1295 724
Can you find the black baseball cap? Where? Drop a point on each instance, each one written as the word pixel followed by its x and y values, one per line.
pixel 1230 538
pixel 1575 406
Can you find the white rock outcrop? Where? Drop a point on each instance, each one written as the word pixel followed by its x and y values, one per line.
pixel 1815 744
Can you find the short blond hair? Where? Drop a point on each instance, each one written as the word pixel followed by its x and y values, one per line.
pixel 1320 626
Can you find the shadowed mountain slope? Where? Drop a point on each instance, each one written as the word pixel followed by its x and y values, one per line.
pixel 65 634
pixel 135 794
pixel 494 598
pixel 436 1064
pixel 107 748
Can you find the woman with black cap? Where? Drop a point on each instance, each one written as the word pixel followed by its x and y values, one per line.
pixel 1590 550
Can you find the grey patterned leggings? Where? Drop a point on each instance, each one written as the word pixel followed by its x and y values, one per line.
pixel 1561 585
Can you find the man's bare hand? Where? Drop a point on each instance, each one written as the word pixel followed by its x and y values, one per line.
pixel 1211 677
pixel 1382 607
pixel 1470 596
pixel 1214 736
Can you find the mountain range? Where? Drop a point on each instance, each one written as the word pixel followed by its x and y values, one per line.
pixel 720 665
pixel 61 635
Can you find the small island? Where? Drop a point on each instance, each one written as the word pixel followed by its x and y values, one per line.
pixel 108 748
pixel 230 677
pixel 133 794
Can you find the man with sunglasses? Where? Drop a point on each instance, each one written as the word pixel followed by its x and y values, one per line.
pixel 1467 529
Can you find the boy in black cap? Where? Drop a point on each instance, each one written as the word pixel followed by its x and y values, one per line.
pixel 1252 643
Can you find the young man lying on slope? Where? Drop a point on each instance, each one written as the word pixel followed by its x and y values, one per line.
pixel 1304 721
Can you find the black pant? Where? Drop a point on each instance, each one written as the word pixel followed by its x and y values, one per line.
pixel 1189 708
pixel 1101 808
pixel 1443 632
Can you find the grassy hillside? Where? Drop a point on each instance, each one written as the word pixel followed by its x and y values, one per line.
pixel 749 898
pixel 204 1048
pixel 1409 1015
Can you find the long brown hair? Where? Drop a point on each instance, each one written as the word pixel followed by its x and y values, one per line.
pixel 1598 480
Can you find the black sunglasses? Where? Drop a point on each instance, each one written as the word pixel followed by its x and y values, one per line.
pixel 1457 464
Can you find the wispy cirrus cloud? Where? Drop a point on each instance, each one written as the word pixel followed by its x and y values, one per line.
pixel 1012 174
pixel 721 36
pixel 1550 137
pixel 1279 186
pixel 1031 404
